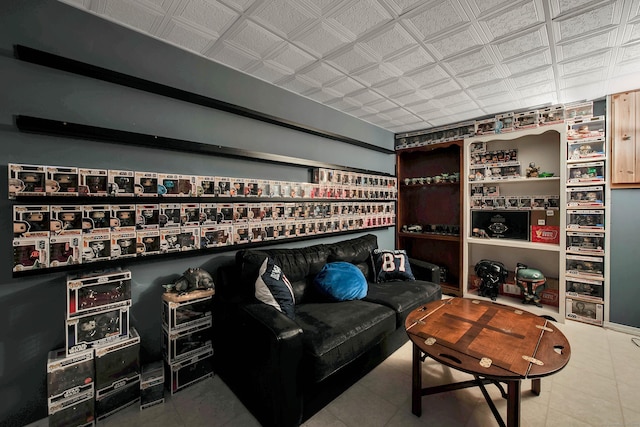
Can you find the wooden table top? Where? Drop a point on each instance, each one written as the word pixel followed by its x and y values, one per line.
pixel 488 339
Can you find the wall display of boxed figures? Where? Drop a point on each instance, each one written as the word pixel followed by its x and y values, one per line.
pixel 57 235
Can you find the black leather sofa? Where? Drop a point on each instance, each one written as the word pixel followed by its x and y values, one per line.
pixel 286 370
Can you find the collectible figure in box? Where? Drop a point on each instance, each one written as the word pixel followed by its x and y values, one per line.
pixel 587 130
pixel 300 228
pixel 525 120
pixel 181 344
pixel 66 220
pixel 266 211
pixel 93 182
pixel 76 410
pixel 587 266
pixel 189 238
pixel 173 185
pixel 585 196
pixel 209 214
pixel 585 242
pixel 592 290
pixel 96 247
pixel 286 189
pixel 181 313
pixel 255 212
pixel 206 186
pixel 117 364
pixel 117 400
pixel 97 292
pixel 504 122
pixel 551 115
pixel 96 329
pixel 169 215
pixel 268 230
pixel 578 110
pixel 223 185
pixel 225 213
pixel 240 233
pixel 252 188
pixel 487 126
pixel 68 375
pixel 504 225
pixel 213 236
pixel 279 229
pixel 152 384
pixel 319 175
pixel 525 202
pixel 256 232
pixel 96 219
pixel 123 218
pixel 240 212
pixel 145 184
pixel 539 202
pixel 147 242
pixel 148 217
pixel 581 219
pixel 189 214
pixel 31 221
pixel 184 373
pixel 237 187
pixel 64 250
pixel 121 183
pixel 30 253
pixel 123 244
pixel 26 180
pixel 578 150
pixel 169 240
pixel 585 311
pixel 275 189
pixel 62 181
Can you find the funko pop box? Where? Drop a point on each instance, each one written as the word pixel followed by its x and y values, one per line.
pixel 117 364
pixel 30 253
pixel 76 410
pixel 96 329
pixel 97 291
pixel 26 180
pixel 182 344
pixel 69 375
pixel 64 250
pixel 179 313
pixel 182 374
pixel 152 384
pixel 93 182
pixel 117 400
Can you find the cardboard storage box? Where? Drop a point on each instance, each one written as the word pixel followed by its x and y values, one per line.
pixel 585 311
pixel 182 344
pixel 152 384
pixel 502 224
pixel 75 411
pixel 117 364
pixel 545 226
pixel 97 292
pixel 69 375
pixel 117 400
pixel 182 374
pixel 179 313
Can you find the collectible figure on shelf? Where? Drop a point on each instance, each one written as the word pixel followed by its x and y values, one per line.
pixel 192 279
pixel 533 170
pixel 531 282
pixel 492 274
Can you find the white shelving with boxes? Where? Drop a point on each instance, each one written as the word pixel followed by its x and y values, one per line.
pixel 515 190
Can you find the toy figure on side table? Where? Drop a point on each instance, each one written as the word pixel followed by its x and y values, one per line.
pixel 532 282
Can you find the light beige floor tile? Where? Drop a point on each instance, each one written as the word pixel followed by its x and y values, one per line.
pixel 560 419
pixel 389 382
pixel 631 417
pixel 358 406
pixel 324 418
pixel 589 383
pixel 573 402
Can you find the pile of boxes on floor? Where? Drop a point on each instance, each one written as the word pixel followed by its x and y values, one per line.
pixel 98 372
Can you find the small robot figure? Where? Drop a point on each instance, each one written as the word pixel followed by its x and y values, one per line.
pixel 531 282
pixel 492 274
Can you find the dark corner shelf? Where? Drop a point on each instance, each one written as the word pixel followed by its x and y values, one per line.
pixel 431 236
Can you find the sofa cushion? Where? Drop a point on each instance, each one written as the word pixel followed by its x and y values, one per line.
pixel 403 297
pixel 356 251
pixel 273 288
pixel 335 334
pixel 391 265
pixel 341 281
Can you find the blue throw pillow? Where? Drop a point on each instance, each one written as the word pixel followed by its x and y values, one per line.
pixel 341 281
pixel 273 288
pixel 391 265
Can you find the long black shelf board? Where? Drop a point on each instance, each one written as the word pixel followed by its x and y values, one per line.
pixel 58 62
pixel 95 133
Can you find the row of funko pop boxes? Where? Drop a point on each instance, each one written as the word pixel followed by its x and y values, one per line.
pixel 39 180
pixel 500 123
pixel 515 202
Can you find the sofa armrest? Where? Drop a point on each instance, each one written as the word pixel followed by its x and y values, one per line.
pixel 424 270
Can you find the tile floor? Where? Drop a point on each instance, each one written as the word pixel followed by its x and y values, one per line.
pixel 599 387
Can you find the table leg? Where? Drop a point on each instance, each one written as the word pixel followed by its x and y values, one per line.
pixel 416 382
pixel 535 386
pixel 513 403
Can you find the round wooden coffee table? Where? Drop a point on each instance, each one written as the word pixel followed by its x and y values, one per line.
pixel 493 342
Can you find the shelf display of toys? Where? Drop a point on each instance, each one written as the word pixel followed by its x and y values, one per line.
pixel 69 375
pixel 504 122
pixel 578 110
pixel 526 120
pixel 551 115
pixel 585 242
pixel 585 196
pixel 583 219
pixel 592 290
pixel 585 172
pixel 585 311
pixel 582 266
pixel 97 292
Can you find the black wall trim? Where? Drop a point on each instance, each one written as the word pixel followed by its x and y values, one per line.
pixel 47 59
pixel 95 133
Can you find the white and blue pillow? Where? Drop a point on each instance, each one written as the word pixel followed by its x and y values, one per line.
pixel 391 265
pixel 273 288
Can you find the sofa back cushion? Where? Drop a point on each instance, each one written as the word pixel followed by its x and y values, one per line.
pixel 355 251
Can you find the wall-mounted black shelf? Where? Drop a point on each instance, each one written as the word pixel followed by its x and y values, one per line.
pixel 58 62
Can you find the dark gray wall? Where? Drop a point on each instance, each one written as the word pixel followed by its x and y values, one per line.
pixel 32 309
pixel 625 268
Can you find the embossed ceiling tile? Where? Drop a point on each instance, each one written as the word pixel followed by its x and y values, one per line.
pixel 365 96
pixel 359 16
pixel 626 77
pixel 254 38
pixel 297 84
pixel 321 39
pixel 442 88
pixel 410 98
pixel 231 56
pixel 343 104
pixel 291 57
pixel 351 60
pixel 585 46
pixel 469 61
pixel 374 75
pixel 345 86
pixel 460 40
pixel 464 111
pixel 427 76
pixel 188 37
pixel 590 91
pixel 597 18
pixel 240 5
pixel 211 16
pixel 359 112
pixel 281 16
pixel 322 73
pixel 133 14
pixel 514 19
pixel 388 41
pixel 539 59
pixel 492 88
pixel 403 6
pixel 452 99
pixel 323 7
pixel 521 43
pixel 382 105
pixel 410 60
pixel 436 18
pixel 629 52
pixel 268 72
pixel 395 87
pixel 500 103
pixel 580 79
pixel 535 76
pixel 483 7
pixel 540 99
pixel 480 77
pixel 397 113
pixel 323 95
pixel 563 7
pixel 536 89
pixel 581 65
pixel 631 33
